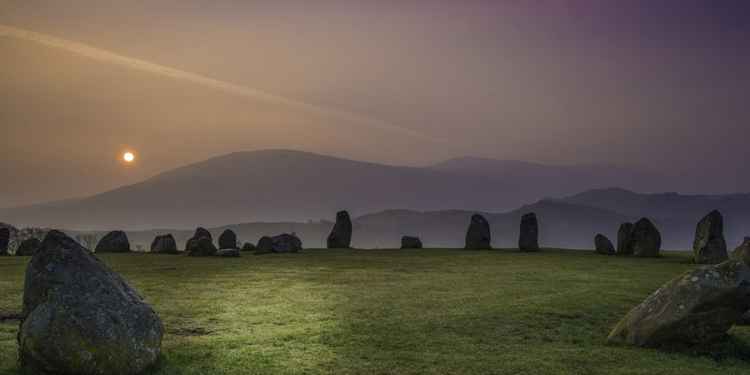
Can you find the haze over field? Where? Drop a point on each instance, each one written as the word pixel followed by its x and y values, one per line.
pixel 658 90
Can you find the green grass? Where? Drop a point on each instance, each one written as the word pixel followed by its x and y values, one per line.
pixel 398 312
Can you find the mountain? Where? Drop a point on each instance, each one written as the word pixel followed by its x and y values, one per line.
pixel 283 185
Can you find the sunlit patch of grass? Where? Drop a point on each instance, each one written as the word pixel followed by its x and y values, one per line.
pixel 405 312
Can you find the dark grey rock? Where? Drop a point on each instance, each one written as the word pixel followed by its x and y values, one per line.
pixel 200 247
pixel 283 243
pixel 709 246
pixel 528 239
pixel 646 239
pixel 265 245
pixel 698 307
pixel 202 232
pixel 80 317
pixel 742 252
pixel 228 240
pixel 625 239
pixel 28 247
pixel 341 234
pixel 478 235
pixel 4 241
pixel 164 244
pixel 114 242
pixel 603 245
pixel 410 242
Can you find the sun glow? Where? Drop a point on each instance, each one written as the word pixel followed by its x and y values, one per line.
pixel 128 157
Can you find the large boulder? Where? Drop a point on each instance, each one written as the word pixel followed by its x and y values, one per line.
pixel 4 241
pixel 228 240
pixel 410 242
pixel 341 234
pixel 528 239
pixel 742 252
pixel 646 239
pixel 283 243
pixel 478 235
pixel 625 239
pixel 603 245
pixel 200 247
pixel 164 244
pixel 114 242
pixel 698 307
pixel 80 317
pixel 709 246
pixel 28 247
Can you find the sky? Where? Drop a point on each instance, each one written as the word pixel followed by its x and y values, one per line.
pixel 655 85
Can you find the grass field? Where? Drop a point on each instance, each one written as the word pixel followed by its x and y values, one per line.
pixel 398 312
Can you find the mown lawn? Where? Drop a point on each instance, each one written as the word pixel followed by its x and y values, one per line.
pixel 398 312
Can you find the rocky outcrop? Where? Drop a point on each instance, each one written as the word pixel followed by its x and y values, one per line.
pixel 646 239
pixel 114 242
pixel 478 235
pixel 603 245
pixel 164 244
pixel 528 239
pixel 341 234
pixel 709 246
pixel 698 307
pixel 80 317
pixel 410 242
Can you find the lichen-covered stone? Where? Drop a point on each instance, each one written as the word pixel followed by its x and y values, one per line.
pixel 478 235
pixel 114 242
pixel 528 239
pixel 646 239
pixel 228 240
pixel 164 244
pixel 709 246
pixel 603 245
pixel 697 307
pixel 742 252
pixel 625 239
pixel 341 234
pixel 80 317
pixel 411 242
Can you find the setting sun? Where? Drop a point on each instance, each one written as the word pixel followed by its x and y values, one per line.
pixel 128 157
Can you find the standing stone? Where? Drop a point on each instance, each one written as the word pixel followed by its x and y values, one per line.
pixel 341 234
pixel 646 239
pixel 478 235
pixel 265 245
pixel 742 252
pixel 698 307
pixel 228 240
pixel 28 247
pixel 528 239
pixel 709 246
pixel 286 243
pixel 4 241
pixel 202 232
pixel 80 317
pixel 114 242
pixel 625 239
pixel 200 247
pixel 248 247
pixel 164 244
pixel 409 242
pixel 603 245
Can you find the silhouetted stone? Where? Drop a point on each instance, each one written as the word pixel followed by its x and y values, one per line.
pixel 265 245
pixel 646 239
pixel 248 247
pixel 409 242
pixel 4 241
pixel 200 247
pixel 603 245
pixel 228 240
pixel 341 234
pixel 625 239
pixel 28 247
pixel 80 317
pixel 202 232
pixel 698 307
pixel 283 243
pixel 528 238
pixel 709 246
pixel 478 235
pixel 742 252
pixel 164 244
pixel 114 242
pixel 228 253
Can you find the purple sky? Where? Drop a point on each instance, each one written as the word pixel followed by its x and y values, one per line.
pixel 658 85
